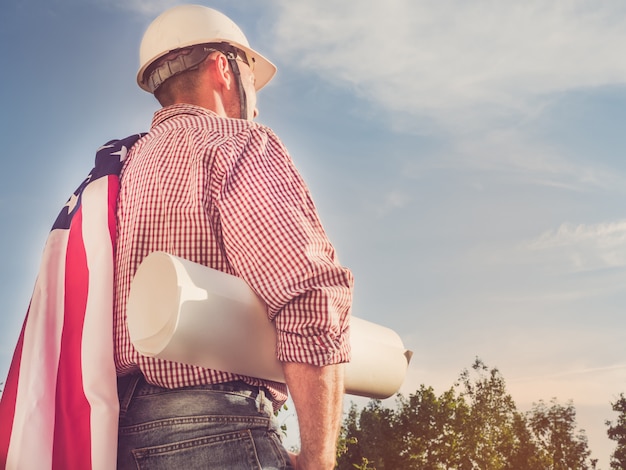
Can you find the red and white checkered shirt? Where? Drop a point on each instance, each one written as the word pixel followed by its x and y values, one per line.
pixel 225 193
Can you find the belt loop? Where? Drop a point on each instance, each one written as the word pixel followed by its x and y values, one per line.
pixel 127 394
pixel 261 398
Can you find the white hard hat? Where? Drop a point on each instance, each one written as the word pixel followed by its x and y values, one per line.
pixel 189 25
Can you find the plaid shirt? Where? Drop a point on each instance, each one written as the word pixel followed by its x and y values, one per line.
pixel 225 193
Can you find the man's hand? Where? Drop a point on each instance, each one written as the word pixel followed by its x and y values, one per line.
pixel 317 393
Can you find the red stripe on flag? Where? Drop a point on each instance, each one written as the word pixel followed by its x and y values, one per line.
pixel 72 427
pixel 9 397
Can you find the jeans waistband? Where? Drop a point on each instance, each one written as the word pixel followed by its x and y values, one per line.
pixel 133 384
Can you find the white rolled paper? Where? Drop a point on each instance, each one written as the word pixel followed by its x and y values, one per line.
pixel 186 312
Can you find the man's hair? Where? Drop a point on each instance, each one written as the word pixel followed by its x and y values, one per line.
pixel 176 86
pixel 181 83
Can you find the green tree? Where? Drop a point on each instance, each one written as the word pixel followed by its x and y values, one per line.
pixel 370 439
pixel 494 435
pixel 474 425
pixel 561 445
pixel 428 427
pixel 525 452
pixel 420 434
pixel 617 433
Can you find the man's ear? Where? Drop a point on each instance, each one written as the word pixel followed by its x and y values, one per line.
pixel 221 71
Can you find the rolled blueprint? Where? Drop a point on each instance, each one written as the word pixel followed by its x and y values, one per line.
pixel 186 312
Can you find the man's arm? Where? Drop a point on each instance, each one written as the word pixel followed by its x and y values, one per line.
pixel 317 393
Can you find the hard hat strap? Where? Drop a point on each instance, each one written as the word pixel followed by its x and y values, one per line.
pixel 179 64
pixel 243 100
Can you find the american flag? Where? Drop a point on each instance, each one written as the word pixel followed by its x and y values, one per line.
pixel 59 408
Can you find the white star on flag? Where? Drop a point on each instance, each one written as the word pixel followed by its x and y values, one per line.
pixel 71 203
pixel 122 153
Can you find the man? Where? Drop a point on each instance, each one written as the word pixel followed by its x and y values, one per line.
pixel 208 184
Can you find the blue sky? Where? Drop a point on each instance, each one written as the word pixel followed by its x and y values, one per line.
pixel 467 159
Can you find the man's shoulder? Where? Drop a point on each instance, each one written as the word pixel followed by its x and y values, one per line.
pixel 234 137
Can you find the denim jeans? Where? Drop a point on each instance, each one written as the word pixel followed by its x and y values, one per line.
pixel 222 426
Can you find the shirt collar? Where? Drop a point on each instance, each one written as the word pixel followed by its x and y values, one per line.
pixel 174 110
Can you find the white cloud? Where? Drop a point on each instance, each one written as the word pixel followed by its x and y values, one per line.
pixel 515 156
pixel 148 8
pixel 478 72
pixel 607 234
pixel 531 161
pixel 583 247
pixel 152 8
pixel 462 64
pixel 393 200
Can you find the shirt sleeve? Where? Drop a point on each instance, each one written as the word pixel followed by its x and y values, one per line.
pixel 275 241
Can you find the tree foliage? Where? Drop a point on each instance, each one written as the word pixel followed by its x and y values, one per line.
pixel 473 425
pixel 617 433
pixel 561 447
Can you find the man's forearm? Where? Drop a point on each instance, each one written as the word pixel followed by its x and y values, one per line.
pixel 317 393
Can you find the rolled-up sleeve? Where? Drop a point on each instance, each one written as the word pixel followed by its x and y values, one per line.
pixel 275 241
